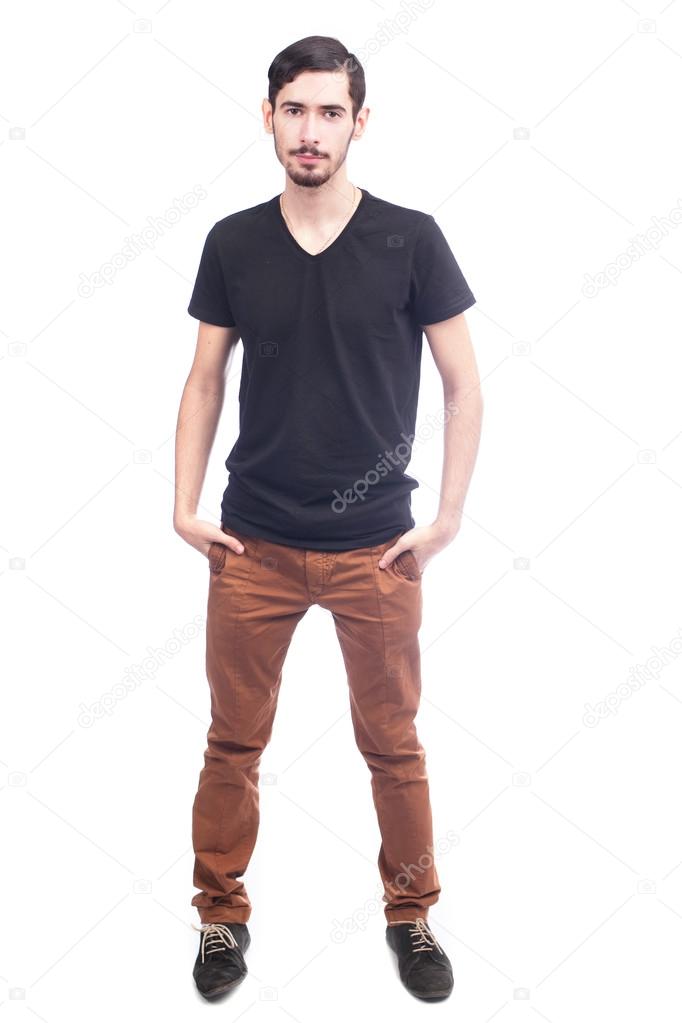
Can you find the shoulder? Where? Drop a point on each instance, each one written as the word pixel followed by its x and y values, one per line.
pixel 392 212
pixel 242 220
pixel 403 226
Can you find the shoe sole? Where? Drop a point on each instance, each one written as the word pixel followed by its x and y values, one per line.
pixel 432 995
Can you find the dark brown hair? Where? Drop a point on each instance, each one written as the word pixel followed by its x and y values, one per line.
pixel 317 53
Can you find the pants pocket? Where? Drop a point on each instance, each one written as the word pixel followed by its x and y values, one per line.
pixel 407 565
pixel 217 554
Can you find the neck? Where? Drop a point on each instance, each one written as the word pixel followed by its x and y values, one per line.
pixel 326 204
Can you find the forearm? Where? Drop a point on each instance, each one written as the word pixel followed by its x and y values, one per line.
pixel 462 431
pixel 198 417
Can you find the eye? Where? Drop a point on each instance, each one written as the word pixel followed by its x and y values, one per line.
pixel 295 110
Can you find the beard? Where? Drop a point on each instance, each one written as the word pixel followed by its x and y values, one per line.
pixel 313 176
pixel 308 177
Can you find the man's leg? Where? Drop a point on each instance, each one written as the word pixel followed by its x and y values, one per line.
pixel 255 602
pixel 377 614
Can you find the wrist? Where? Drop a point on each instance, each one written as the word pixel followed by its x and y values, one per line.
pixel 447 528
pixel 181 516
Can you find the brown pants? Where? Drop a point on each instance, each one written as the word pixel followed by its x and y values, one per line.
pixel 255 602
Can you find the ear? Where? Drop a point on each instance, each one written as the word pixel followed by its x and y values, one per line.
pixel 361 122
pixel 266 109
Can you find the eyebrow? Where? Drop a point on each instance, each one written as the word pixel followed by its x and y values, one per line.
pixel 321 106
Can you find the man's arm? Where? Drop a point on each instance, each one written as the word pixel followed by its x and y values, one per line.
pixel 453 354
pixel 200 408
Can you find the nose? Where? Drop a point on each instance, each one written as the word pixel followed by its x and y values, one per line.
pixel 308 132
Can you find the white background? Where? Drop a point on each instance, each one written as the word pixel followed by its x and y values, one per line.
pixel 544 138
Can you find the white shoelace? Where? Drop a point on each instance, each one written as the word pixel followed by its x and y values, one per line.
pixel 423 938
pixel 215 937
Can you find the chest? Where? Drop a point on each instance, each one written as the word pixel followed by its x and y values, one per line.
pixel 357 294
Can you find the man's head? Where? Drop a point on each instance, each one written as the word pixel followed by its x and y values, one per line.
pixel 314 106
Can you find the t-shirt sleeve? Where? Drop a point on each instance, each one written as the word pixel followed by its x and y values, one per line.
pixel 438 288
pixel 209 300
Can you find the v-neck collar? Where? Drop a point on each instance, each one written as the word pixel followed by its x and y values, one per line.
pixel 314 256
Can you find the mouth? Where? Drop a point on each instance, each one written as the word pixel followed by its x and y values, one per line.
pixel 307 158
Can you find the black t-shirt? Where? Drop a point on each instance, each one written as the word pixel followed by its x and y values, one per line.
pixel 331 364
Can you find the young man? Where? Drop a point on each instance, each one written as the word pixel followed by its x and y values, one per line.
pixel 329 289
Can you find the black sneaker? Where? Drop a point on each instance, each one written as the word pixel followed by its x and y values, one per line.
pixel 220 964
pixel 424 968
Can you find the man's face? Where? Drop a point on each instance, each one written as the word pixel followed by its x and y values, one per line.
pixel 313 117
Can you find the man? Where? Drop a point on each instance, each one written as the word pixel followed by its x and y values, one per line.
pixel 329 289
